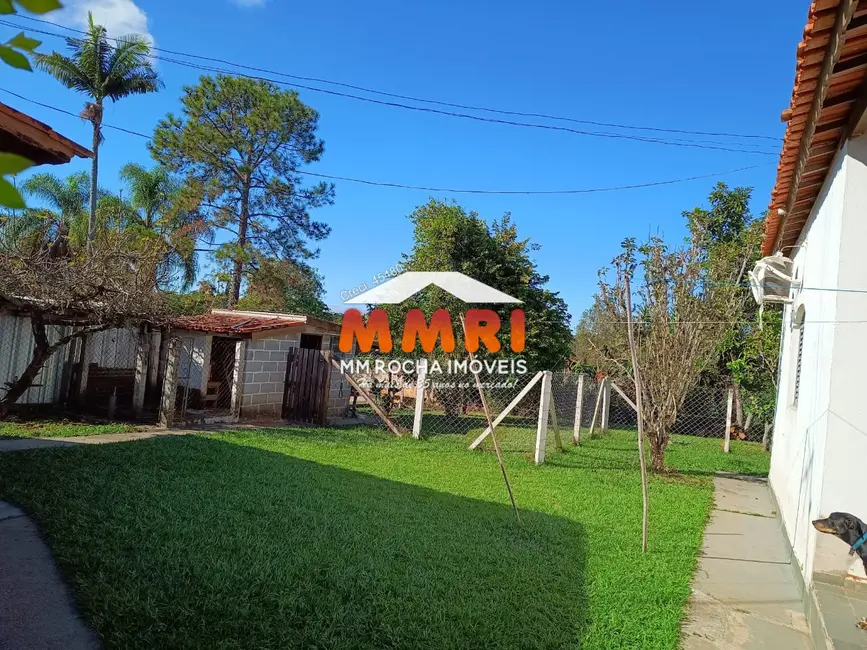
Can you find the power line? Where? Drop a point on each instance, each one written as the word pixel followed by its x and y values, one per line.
pixel 429 101
pixel 577 191
pixel 421 187
pixel 669 142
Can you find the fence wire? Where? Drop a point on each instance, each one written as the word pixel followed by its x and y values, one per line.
pixel 92 375
pixel 96 375
pixel 451 407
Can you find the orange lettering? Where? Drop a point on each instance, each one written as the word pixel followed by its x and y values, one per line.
pixel 416 327
pixel 482 327
pixel 353 327
pixel 518 321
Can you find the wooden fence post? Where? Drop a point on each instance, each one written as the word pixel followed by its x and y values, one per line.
pixel 596 408
pixel 419 399
pixel 624 396
pixel 544 410
pixel 728 434
pixel 579 411
pixel 142 357
pixel 170 384
pixel 606 403
pixel 238 370
pixel 508 409
pixel 370 401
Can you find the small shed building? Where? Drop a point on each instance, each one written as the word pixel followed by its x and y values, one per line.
pixel 234 365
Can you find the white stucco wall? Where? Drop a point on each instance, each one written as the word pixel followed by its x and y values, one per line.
pixel 819 445
pixel 843 487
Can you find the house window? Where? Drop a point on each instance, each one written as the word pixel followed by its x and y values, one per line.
pixel 799 323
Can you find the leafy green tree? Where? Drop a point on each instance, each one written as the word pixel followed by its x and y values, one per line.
pixel 243 141
pixel 65 209
pixel 285 286
pixel 160 206
pixel 66 200
pixel 754 366
pixel 447 238
pixel 61 221
pixel 729 237
pixel 102 71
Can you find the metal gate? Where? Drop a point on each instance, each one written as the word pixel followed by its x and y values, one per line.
pixel 305 393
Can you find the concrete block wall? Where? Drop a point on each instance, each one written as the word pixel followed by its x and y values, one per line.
pixel 339 390
pixel 338 396
pixel 265 375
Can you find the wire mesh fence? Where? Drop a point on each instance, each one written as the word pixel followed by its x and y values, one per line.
pixel 107 369
pixel 205 371
pixel 90 375
pixel 576 408
pixel 119 374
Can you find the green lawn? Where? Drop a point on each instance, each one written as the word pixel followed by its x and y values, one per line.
pixel 59 429
pixel 317 538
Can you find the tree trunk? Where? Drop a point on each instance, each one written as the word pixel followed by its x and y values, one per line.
pixel 238 270
pixel 766 439
pixel 657 451
pixel 451 406
pixel 42 351
pixel 96 120
pixel 739 405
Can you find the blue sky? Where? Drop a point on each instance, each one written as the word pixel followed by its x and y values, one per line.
pixel 719 66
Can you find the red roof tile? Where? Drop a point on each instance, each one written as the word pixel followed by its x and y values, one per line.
pixel 832 127
pixel 35 140
pixel 226 322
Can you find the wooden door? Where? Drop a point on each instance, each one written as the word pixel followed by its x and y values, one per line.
pixel 305 393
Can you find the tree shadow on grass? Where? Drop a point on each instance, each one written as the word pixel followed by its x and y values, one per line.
pixel 192 542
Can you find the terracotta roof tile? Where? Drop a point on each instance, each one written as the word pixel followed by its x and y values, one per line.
pixel 35 140
pixel 224 322
pixel 835 116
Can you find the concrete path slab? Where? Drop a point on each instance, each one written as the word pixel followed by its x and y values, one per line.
pixel 745 594
pixel 20 444
pixel 36 609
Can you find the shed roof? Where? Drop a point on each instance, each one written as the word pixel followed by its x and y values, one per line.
pixel 226 321
pixel 35 140
pixel 828 99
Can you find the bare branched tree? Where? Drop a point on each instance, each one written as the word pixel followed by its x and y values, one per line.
pixel 67 295
pixel 679 317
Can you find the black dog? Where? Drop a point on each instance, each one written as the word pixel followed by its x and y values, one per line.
pixel 850 529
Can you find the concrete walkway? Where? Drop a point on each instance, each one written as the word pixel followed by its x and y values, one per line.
pixel 36 609
pixel 745 593
pixel 20 444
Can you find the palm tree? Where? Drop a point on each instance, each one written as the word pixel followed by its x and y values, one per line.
pixel 161 206
pixel 151 191
pixel 67 201
pixel 102 71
